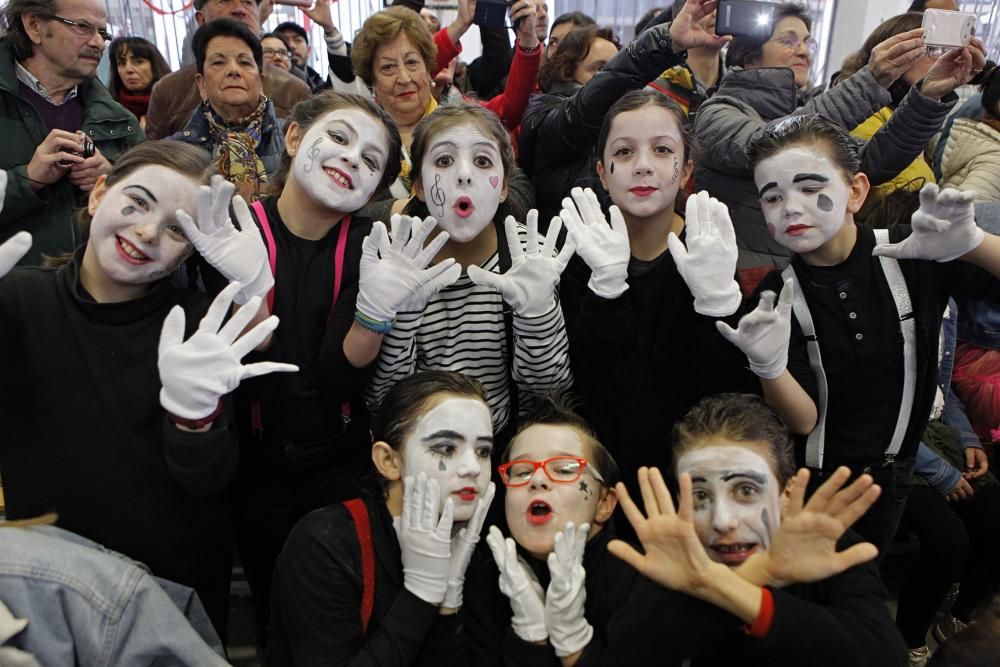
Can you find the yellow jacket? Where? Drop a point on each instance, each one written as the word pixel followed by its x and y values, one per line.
pixel 914 177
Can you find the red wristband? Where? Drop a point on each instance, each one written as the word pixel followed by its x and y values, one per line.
pixel 762 624
pixel 195 424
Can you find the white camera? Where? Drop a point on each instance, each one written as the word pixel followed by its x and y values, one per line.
pixel 947 28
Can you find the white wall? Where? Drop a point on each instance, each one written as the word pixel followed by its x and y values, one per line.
pixel 853 21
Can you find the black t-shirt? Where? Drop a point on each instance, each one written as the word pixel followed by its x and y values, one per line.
pixel 862 346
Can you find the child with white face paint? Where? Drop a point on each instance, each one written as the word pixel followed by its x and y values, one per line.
pixel 559 591
pixel 494 313
pixel 432 452
pixel 864 391
pixel 136 405
pixel 769 560
pixel 635 325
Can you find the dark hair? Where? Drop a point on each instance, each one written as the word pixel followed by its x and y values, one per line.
pixel 990 87
pixel 284 40
pixel 884 211
pixel 746 49
pixel 292 26
pixel 181 157
pixel 637 99
pixel 558 410
pixel 574 47
pixel 888 28
pixel 648 17
pixel 13 28
pixel 308 111
pixel 139 48
pixel 199 4
pixel 577 18
pixel 224 27
pixel 408 398
pixel 807 129
pixel 740 418
pixel 383 27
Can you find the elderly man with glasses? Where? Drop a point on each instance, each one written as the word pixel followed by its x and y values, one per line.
pixel 62 130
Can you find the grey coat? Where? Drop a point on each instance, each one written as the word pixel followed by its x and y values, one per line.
pixel 748 101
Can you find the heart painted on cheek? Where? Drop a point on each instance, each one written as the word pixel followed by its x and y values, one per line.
pixel 494 180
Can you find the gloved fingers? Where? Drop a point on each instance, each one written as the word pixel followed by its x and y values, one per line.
pixel 241 211
pixel 552 237
pixel 266 368
pixel 591 210
pixel 723 223
pixel 410 502
pixel 206 222
pixel 252 339
pixel 172 332
pixel 475 525
pixel 618 221
pixel 481 276
pixel 928 195
pixel 677 249
pixel 692 224
pixel 581 204
pixel 14 248
pixel 565 253
pixel 925 222
pixel 580 542
pixel 531 241
pixel 222 195
pixel 446 521
pixel 495 541
pixel 727 332
pixel 785 299
pixel 704 214
pixel 239 321
pixel 889 250
pixel 444 277
pixel 191 229
pixel 428 253
pixel 212 321
pixel 432 498
pixel 418 236
pixel 401 226
pixel 514 240
pixel 380 237
pixel 766 303
pixel 570 209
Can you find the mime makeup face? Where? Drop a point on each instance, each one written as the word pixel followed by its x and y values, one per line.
pixel 462 180
pixel 341 159
pixel 737 499
pixel 452 443
pixel 803 196
pixel 643 165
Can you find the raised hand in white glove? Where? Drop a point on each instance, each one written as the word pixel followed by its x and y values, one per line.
pixel 196 373
pixel 604 248
pixel 425 539
pixel 944 227
pixel 12 250
pixel 708 264
pixel 394 274
pixel 569 630
pixel 519 584
pixel 240 256
pixel 529 286
pixel 763 334
pixel 463 544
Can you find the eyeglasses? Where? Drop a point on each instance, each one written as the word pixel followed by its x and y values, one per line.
pixel 280 53
pixel 559 469
pixel 792 43
pixel 82 28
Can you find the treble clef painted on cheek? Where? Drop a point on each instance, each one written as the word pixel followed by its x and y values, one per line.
pixel 437 194
pixel 312 154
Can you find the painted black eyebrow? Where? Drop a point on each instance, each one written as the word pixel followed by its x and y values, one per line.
pixel 148 193
pixel 767 187
pixel 810 177
pixel 753 476
pixel 454 435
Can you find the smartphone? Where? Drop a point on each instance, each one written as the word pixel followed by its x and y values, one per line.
pixel 743 17
pixel 947 28
pixel 491 13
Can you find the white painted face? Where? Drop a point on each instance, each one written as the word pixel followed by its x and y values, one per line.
pixel 462 178
pixel 539 509
pixel 451 443
pixel 341 159
pixel 737 500
pixel 643 161
pixel 134 233
pixel 803 196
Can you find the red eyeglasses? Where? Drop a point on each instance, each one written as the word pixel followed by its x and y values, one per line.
pixel 559 469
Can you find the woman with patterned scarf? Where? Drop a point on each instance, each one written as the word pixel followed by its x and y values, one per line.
pixel 235 120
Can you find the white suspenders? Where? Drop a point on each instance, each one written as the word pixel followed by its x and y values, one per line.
pixel 904 310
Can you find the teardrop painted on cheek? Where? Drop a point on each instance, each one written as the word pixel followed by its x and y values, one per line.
pixel 441 466
pixel 612 167
pixel 824 203
pixel 128 210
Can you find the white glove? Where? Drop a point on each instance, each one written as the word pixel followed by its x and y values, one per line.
pixel 519 584
pixel 529 286
pixel 604 248
pixel 708 264
pixel 425 540
pixel 944 227
pixel 198 372
pixel 392 275
pixel 240 256
pixel 12 250
pixel 763 334
pixel 569 630
pixel 463 544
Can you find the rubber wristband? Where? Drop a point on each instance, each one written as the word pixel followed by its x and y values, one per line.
pixel 378 326
pixel 195 424
pixel 765 617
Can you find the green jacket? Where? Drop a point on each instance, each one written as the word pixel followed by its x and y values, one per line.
pixel 49 214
